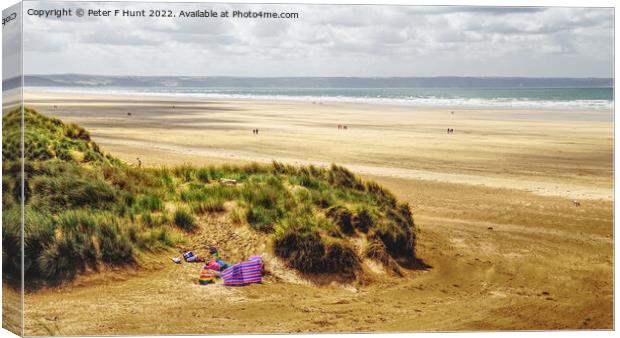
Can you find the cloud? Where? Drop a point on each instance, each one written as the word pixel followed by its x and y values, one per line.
pixel 328 40
pixel 491 10
pixel 117 38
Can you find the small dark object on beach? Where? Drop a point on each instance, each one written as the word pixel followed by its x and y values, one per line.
pixel 490 228
pixel 213 250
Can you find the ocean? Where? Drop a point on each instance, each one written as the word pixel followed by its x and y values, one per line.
pixel 457 92
pixel 599 99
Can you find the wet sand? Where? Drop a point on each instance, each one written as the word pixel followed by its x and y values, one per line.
pixel 493 202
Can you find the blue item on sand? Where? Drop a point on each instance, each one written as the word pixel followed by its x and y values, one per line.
pixel 223 264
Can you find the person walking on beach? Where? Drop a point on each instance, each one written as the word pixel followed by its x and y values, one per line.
pixel 139 162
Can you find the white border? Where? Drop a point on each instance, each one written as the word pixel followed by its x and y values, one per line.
pixel 507 3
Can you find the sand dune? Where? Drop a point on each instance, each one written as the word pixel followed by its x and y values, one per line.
pixel 543 265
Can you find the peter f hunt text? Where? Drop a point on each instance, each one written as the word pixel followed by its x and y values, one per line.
pixel 64 12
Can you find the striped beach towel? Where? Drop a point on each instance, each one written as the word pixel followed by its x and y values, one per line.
pixel 244 273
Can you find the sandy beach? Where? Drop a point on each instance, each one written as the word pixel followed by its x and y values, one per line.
pixel 493 201
pixel 556 153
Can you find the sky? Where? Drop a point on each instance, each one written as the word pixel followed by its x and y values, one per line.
pixel 326 40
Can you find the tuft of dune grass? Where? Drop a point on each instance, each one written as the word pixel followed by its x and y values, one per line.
pixel 184 219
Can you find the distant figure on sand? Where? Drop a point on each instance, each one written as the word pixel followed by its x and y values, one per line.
pixel 255 131
pixel 139 162
pixel 450 130
pixel 344 127
pixel 128 114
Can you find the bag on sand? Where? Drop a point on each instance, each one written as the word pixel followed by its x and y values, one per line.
pixel 205 278
pixel 188 255
pixel 213 266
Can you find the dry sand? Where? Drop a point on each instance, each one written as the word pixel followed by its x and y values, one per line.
pixel 507 247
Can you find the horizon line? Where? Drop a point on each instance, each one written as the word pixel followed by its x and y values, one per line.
pixel 339 76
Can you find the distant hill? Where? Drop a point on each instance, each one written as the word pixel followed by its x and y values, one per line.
pixel 80 80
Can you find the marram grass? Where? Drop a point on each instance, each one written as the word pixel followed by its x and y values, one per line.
pixel 84 208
